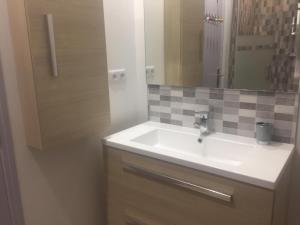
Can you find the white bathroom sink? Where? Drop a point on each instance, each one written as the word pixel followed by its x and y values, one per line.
pixel 234 157
pixel 213 149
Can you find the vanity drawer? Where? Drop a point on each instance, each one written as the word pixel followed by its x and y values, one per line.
pixel 169 194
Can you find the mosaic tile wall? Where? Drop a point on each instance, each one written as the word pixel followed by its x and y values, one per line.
pixel 275 18
pixel 231 111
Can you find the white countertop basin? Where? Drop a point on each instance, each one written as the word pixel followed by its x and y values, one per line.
pixel 230 156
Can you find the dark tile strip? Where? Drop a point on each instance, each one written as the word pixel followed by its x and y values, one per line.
pixel 163 120
pixel 247 92
pixel 281 139
pixel 245 105
pixel 268 108
pixel 216 96
pixel 188 112
pixel 230 124
pixel 232 104
pixel 285 101
pixel 284 117
pixel 165 98
pixel 153 102
pixel 165 115
pixel 176 99
pixel 189 92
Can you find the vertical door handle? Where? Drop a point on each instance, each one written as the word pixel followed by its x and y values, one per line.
pixel 50 26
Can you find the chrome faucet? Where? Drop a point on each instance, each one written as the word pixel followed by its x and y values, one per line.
pixel 202 124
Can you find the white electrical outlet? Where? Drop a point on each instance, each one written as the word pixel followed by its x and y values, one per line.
pixel 150 72
pixel 117 75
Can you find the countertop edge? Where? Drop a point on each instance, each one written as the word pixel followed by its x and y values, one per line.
pixel 202 168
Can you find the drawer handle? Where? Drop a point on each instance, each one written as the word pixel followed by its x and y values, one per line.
pixel 177 182
pixel 50 26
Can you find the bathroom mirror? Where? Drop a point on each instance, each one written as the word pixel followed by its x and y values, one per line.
pixel 240 44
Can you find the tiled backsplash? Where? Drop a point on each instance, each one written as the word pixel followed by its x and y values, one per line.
pixel 231 111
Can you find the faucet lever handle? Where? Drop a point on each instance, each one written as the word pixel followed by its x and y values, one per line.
pixel 202 114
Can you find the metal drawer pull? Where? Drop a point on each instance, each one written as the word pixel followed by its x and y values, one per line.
pixel 180 183
pixel 50 26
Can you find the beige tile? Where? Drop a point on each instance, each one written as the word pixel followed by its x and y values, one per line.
pixel 154 119
pixel 247 113
pixel 230 118
pixel 246 133
pixel 177 93
pixel 284 109
pixel 248 98
pixel 189 106
pixel 154 97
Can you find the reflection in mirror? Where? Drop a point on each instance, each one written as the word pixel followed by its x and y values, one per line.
pixel 240 44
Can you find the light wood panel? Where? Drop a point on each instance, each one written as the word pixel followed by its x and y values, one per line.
pixel 134 217
pixel 172 36
pixel 192 33
pixel 184 32
pixel 25 72
pixel 281 201
pixel 150 200
pixel 74 106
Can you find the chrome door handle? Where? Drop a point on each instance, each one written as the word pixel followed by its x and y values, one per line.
pixel 177 182
pixel 50 26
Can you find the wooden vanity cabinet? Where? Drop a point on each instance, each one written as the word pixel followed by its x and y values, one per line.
pixel 146 191
pixel 61 59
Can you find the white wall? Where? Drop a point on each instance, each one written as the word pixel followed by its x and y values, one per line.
pixel 125 50
pixel 142 89
pixel 155 39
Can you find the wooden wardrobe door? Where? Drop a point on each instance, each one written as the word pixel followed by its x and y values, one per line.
pixel 74 105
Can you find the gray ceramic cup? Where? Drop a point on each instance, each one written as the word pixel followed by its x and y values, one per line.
pixel 264 132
